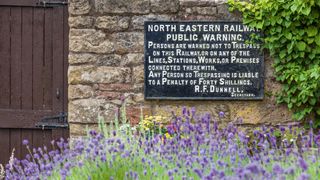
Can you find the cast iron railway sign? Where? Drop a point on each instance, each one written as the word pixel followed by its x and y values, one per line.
pixel 202 60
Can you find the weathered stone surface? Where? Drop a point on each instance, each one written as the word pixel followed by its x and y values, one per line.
pixel 224 13
pixel 101 74
pixel 80 91
pixel 123 6
pixel 223 9
pixel 134 113
pixel 167 6
pixel 192 17
pixel 128 42
pixel 138 21
pixel 79 7
pixel 109 60
pixel 138 87
pixel 75 73
pixel 202 10
pixel 167 109
pixel 89 40
pixel 92 36
pixel 120 87
pixel 108 95
pixel 81 22
pixel 271 88
pixel 77 129
pixel 269 70
pixel 138 74
pixel 260 112
pixel 138 97
pixel 82 58
pixel 88 111
pixel 112 23
pixel 132 59
pixel 201 2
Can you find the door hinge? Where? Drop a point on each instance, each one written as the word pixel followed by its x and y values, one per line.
pixel 52 122
pixel 49 3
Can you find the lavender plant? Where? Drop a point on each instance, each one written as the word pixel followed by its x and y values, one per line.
pixel 197 149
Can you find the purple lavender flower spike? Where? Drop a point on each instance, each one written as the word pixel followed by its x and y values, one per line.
pixel 277 169
pixel 304 176
pixel 311 124
pixel 25 142
pixel 221 114
pixel 303 164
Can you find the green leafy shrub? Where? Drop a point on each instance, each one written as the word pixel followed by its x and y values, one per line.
pixel 292 36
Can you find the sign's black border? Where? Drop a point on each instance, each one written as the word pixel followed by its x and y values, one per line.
pixel 199 98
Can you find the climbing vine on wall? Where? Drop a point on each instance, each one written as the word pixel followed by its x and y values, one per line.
pixel 292 36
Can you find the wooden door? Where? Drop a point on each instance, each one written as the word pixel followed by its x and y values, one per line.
pixel 33 72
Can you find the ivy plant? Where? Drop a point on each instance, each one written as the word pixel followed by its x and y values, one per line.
pixel 292 36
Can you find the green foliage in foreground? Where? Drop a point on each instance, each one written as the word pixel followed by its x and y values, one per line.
pixel 194 151
pixel 292 35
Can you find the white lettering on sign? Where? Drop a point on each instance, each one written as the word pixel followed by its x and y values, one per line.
pixel 202 60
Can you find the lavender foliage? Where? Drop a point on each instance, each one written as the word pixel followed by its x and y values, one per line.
pixel 197 148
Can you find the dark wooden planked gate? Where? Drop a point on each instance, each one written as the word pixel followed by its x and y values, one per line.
pixel 33 72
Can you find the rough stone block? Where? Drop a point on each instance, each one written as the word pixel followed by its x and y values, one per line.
pixel 202 10
pixel 79 7
pixel 123 6
pixel 92 36
pixel 132 59
pixel 138 74
pixel 269 70
pixel 109 60
pixel 101 74
pixel 225 14
pixel 112 23
pixel 128 42
pixel 138 21
pixel 108 95
pixel 138 98
pixel 82 58
pixel 89 40
pixel 78 129
pixel 138 87
pixel 134 113
pixel 81 22
pixel 167 109
pixel 193 3
pixel 80 91
pixel 164 6
pixel 260 112
pixel 88 111
pixel 120 87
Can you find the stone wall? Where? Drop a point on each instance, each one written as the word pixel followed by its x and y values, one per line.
pixel 106 63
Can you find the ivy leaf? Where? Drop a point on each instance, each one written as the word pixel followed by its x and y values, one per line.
pixel 288 35
pixel 315 74
pixel 260 25
pixel 301 46
pixel 290 47
pixel 312 31
pixel 313 101
pixel 310 40
pixel 317 39
pixel 312 55
pixel 294 7
pixel 302 77
pixel 306 11
pixel 282 54
pixel 318 111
